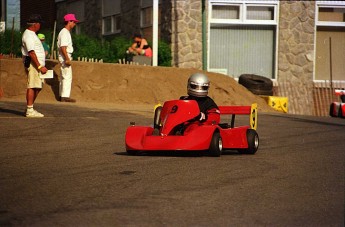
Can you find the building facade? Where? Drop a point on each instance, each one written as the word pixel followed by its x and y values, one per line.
pixel 45 8
pixel 292 42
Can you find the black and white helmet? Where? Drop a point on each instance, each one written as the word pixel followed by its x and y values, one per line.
pixel 198 85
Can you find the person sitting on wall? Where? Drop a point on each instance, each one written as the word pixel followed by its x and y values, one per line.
pixel 140 47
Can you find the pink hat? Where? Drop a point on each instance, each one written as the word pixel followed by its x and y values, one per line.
pixel 70 17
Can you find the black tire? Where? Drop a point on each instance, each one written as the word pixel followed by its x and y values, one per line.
pixel 339 111
pixel 258 85
pixel 216 145
pixel 132 152
pixel 261 92
pixel 253 142
pixel 331 108
pixel 342 97
pixel 255 81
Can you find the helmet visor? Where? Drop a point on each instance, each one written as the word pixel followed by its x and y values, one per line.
pixel 199 87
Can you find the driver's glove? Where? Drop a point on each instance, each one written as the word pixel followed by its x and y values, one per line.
pixel 202 116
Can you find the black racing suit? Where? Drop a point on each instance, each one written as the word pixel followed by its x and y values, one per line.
pixel 206 106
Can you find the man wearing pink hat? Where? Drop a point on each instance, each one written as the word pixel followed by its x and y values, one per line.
pixel 65 46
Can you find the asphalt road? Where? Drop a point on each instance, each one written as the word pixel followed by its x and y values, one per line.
pixel 70 169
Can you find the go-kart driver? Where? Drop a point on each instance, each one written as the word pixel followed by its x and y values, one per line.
pixel 197 89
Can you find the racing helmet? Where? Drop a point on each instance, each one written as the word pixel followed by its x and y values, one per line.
pixel 198 85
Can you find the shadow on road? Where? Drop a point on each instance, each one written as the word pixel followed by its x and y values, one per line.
pixel 184 154
pixel 15 112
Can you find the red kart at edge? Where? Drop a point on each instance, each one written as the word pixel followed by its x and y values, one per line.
pixel 166 135
pixel 337 109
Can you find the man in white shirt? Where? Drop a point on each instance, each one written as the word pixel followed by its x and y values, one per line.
pixel 65 46
pixel 34 62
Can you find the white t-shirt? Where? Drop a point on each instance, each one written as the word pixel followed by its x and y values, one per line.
pixel 65 39
pixel 30 42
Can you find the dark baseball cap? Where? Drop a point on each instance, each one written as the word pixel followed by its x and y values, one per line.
pixel 137 35
pixel 35 18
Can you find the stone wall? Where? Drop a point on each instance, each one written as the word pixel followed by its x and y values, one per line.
pixel 184 31
pixel 296 53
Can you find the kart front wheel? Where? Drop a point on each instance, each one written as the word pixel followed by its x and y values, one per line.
pixel 216 145
pixel 253 142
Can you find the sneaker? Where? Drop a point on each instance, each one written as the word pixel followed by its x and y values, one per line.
pixel 65 99
pixel 33 113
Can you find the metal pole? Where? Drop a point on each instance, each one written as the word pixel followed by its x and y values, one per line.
pixel 204 46
pixel 52 55
pixel 155 33
pixel 330 69
pixel 3 11
pixel 12 38
pixel 330 61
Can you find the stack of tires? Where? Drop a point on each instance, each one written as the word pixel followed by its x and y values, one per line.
pixel 258 85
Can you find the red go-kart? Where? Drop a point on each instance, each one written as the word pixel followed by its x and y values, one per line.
pixel 176 128
pixel 337 109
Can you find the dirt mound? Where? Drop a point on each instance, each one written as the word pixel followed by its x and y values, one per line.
pixel 124 84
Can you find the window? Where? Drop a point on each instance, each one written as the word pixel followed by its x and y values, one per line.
pixel 146 18
pixel 111 12
pixel 330 40
pixel 242 37
pixel 107 27
pixel 260 12
pixel 111 24
pixel 331 14
pixel 226 12
pixel 117 23
pixel 247 12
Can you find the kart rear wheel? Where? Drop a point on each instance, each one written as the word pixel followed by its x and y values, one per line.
pixel 216 145
pixel 331 110
pixel 341 112
pixel 253 142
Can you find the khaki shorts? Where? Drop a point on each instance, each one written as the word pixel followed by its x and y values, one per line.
pixel 34 80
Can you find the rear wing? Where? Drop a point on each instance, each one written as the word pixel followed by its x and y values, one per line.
pixel 241 110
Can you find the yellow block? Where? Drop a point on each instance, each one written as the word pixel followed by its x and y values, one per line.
pixel 277 103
